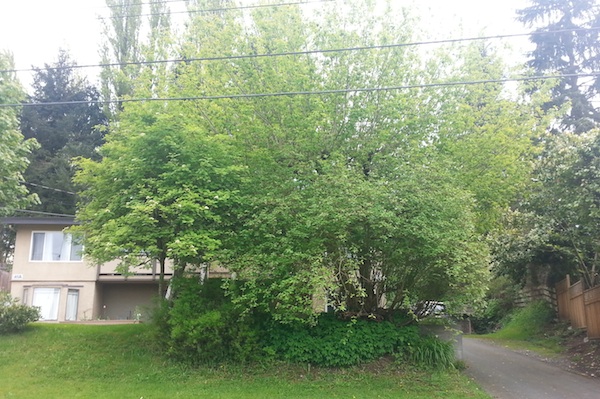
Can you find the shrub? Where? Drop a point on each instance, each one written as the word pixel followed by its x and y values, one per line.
pixel 431 352
pixel 337 343
pixel 500 303
pixel 202 326
pixel 13 316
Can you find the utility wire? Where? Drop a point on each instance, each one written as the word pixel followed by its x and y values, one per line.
pixel 308 93
pixel 58 190
pixel 217 9
pixel 295 53
pixel 148 3
pixel 40 186
pixel 41 213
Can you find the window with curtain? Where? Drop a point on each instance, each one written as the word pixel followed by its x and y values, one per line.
pixel 55 246
pixel 47 300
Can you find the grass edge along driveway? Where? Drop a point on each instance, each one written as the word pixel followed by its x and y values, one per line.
pixel 118 361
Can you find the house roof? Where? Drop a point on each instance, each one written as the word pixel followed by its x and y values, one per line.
pixel 62 221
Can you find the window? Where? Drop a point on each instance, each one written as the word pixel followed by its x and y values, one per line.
pixel 25 296
pixel 47 300
pixel 72 302
pixel 55 246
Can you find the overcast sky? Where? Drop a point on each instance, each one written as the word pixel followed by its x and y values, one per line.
pixel 34 30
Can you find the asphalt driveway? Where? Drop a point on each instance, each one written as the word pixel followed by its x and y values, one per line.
pixel 506 374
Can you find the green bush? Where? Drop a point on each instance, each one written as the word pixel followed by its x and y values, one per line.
pixel 202 326
pixel 337 343
pixel 431 352
pixel 13 316
pixel 500 301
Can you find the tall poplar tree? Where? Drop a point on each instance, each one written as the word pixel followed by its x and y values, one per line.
pixel 123 48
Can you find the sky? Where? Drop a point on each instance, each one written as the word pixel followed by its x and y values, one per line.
pixel 34 30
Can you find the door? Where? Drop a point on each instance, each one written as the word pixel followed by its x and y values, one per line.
pixel 72 303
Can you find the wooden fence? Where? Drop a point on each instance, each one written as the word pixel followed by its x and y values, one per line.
pixel 579 306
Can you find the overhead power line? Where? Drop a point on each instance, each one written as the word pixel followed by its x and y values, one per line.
pixel 40 186
pixel 41 213
pixel 295 53
pixel 308 93
pixel 148 3
pixel 209 10
pixel 58 190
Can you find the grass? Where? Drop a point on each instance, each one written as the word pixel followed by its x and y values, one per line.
pixel 527 330
pixel 85 361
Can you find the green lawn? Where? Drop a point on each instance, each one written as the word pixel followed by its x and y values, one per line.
pixel 85 361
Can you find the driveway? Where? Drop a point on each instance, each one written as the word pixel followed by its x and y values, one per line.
pixel 506 374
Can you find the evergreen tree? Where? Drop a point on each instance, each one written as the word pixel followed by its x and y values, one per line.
pixel 64 131
pixel 567 43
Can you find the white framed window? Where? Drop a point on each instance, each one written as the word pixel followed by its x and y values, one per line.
pixel 47 300
pixel 25 300
pixel 55 246
pixel 72 304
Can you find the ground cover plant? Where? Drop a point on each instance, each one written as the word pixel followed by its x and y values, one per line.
pixel 83 361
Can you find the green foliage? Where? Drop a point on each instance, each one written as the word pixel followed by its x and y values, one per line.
pixel 203 327
pixel 122 47
pixel 337 343
pixel 14 150
pixel 487 119
pixel 162 189
pixel 363 197
pixel 566 43
pixel 528 249
pixel 13 316
pixel 500 302
pixel 430 353
pixel 554 230
pixel 528 322
pixel 63 131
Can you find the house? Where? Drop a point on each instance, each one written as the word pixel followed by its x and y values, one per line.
pixel 50 272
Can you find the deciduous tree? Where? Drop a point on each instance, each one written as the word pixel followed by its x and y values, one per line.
pixel 14 149
pixel 157 193
pixel 14 152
